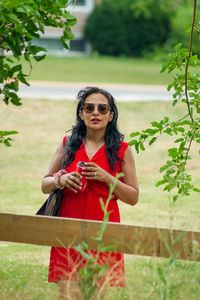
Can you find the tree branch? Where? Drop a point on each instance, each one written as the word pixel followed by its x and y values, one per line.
pixel 188 61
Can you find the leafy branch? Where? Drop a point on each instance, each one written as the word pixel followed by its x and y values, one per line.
pixel 20 23
pixel 94 270
pixel 187 129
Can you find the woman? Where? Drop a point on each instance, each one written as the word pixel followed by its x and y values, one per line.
pixel 95 139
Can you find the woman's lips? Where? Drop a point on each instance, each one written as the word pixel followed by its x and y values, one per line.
pixel 95 120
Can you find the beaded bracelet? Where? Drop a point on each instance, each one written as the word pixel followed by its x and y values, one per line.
pixel 57 177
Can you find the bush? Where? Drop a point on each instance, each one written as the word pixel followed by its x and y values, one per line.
pixel 181 25
pixel 119 28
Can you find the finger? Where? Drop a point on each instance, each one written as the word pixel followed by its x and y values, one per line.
pixel 73 184
pixel 89 163
pixel 89 169
pixel 91 178
pixel 91 173
pixel 73 181
pixel 76 174
pixel 75 178
pixel 71 188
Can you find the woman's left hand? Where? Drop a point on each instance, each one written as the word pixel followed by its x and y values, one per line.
pixel 93 172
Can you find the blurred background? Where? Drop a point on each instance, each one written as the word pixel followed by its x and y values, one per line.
pixel 119 44
pixel 132 28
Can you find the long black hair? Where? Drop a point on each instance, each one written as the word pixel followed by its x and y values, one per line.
pixel 113 137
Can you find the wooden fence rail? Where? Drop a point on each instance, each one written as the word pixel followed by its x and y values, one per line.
pixel 65 232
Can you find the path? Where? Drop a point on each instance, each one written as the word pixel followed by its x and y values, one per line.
pixel 68 91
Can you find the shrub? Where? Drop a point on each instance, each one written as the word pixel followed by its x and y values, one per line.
pixel 181 24
pixel 121 28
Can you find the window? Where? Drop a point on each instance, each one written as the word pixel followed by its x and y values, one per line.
pixel 77 45
pixel 85 6
pixel 80 2
pixel 51 44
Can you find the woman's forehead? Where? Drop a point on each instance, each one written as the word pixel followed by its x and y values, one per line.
pixel 96 98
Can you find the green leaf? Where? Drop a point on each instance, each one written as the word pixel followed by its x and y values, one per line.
pixel 108 248
pixel 84 254
pixel 39 57
pixel 156 124
pixel 160 182
pixel 170 86
pixel 22 78
pixel 133 142
pixel 7 143
pixel 178 47
pixel 174 102
pixel 16 68
pixel 152 141
pixel 175 198
pixel 196 190
pixel 137 147
pixel 134 134
pixel 5 133
pixel 179 140
pixel 14 99
pixel 161 275
pixel 165 66
pixel 164 168
pixel 142 147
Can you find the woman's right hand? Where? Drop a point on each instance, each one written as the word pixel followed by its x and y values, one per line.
pixel 71 181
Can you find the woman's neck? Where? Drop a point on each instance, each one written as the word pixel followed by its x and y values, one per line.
pixel 97 137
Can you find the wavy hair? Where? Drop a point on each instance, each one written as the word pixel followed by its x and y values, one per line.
pixel 112 138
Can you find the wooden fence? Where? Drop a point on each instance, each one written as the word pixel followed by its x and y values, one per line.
pixel 130 239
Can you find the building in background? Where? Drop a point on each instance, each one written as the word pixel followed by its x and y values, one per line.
pixel 51 39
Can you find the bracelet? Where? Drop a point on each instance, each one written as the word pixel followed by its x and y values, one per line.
pixel 57 177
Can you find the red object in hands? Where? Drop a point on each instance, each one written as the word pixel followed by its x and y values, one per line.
pixel 79 169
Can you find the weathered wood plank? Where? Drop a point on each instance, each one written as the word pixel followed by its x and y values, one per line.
pixel 65 232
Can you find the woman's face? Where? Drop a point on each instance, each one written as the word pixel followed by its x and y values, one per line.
pixel 95 113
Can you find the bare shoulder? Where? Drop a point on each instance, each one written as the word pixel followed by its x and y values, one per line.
pixel 128 155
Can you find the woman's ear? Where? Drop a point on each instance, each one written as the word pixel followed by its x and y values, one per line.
pixel 111 116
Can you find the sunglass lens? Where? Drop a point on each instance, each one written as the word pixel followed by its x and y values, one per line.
pixel 88 108
pixel 103 108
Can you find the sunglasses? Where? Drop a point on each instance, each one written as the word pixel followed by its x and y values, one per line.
pixel 89 108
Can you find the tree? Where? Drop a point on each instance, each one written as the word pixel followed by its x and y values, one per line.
pixel 132 26
pixel 20 22
pixel 185 130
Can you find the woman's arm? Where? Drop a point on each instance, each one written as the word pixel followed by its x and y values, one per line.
pixel 48 181
pixel 70 180
pixel 126 190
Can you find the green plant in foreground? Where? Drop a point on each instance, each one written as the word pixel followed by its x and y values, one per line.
pixel 20 23
pixel 185 130
pixel 93 271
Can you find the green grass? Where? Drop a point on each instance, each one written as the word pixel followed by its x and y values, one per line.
pixel 99 69
pixel 41 125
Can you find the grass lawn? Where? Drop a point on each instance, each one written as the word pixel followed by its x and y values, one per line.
pixel 99 69
pixel 41 125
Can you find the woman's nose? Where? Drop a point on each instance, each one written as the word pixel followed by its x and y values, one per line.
pixel 95 110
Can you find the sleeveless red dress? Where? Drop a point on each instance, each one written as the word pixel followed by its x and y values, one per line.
pixel 65 263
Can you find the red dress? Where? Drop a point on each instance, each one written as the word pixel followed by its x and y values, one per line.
pixel 64 263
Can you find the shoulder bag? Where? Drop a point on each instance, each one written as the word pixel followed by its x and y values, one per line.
pixel 52 205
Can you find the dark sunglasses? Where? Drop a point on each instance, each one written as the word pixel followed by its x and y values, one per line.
pixel 103 109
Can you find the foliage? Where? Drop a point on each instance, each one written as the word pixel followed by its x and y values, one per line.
pixel 130 28
pixel 185 130
pixel 20 23
pixel 93 270
pixel 181 23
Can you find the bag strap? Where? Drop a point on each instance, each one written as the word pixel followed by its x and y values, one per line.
pixel 66 146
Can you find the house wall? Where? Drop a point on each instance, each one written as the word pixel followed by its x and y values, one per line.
pixel 78 46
